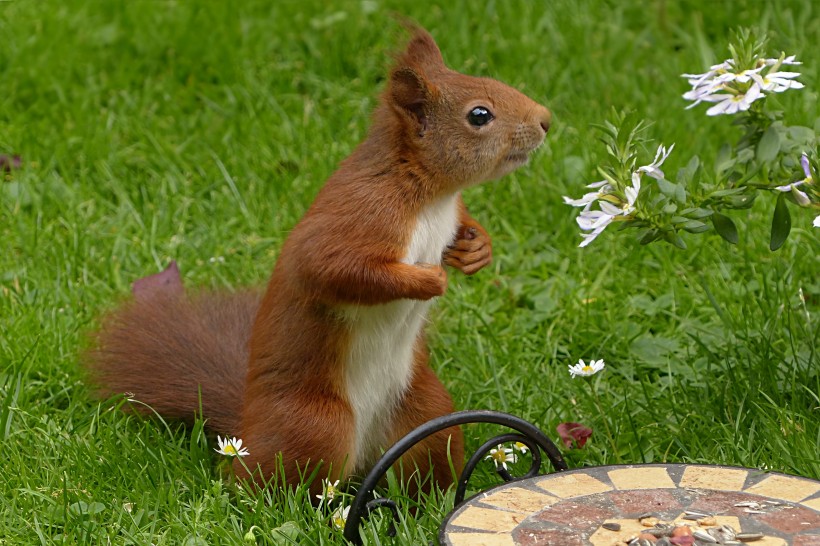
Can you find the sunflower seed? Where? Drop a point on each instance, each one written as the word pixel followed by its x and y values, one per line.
pixel 748 504
pixel 750 511
pixel 612 526
pixel 696 514
pixel 663 541
pixel 749 537
pixel 646 515
pixel 660 530
pixel 704 537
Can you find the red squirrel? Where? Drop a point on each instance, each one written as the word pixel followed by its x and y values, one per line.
pixel 331 365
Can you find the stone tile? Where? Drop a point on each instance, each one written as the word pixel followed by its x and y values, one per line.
pixel 519 499
pixel 638 502
pixel 652 477
pixel 807 540
pixel 814 504
pixel 580 515
pixel 487 519
pixel 604 537
pixel 721 502
pixel 479 539
pixel 792 521
pixel 785 488
pixel 572 485
pixel 544 537
pixel 770 541
pixel 708 477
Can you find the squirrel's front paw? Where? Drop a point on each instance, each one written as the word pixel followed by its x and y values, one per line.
pixel 471 250
pixel 434 282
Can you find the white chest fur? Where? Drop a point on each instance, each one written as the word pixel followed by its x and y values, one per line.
pixel 380 358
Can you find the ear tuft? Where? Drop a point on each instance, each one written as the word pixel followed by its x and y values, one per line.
pixel 421 51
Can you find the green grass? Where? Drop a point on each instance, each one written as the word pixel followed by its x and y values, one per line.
pixel 153 131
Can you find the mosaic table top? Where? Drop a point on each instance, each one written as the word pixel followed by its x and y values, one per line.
pixel 571 508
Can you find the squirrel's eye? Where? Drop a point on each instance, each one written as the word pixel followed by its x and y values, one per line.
pixel 479 116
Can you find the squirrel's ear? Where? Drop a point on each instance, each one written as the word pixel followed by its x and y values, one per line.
pixel 412 92
pixel 422 50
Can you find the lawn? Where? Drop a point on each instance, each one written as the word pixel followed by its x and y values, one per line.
pixel 200 131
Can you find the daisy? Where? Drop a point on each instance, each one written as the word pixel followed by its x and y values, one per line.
pixel 501 456
pixel 339 517
pixel 329 490
pixel 521 447
pixel 584 369
pixel 231 448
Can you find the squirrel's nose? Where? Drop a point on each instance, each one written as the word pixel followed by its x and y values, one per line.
pixel 545 117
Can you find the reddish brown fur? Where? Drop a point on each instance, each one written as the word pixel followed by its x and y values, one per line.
pixel 347 251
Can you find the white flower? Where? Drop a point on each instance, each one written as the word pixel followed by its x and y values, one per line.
pixel 816 222
pixel 723 85
pixel 595 220
pixel 231 448
pixel 583 369
pixel 329 490
pixel 800 196
pixel 522 447
pixel 786 60
pixel 804 162
pixel 777 82
pixel 339 517
pixel 653 169
pixel 588 198
pixel 501 456
pixel 731 103
pixel 612 206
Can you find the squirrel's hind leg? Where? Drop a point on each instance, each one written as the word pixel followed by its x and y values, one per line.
pixel 427 399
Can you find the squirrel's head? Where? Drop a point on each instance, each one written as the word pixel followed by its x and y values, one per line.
pixel 462 128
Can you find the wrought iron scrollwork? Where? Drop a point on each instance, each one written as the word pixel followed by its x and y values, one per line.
pixel 528 434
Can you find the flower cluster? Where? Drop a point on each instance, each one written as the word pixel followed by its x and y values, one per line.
pixel 616 200
pixel 584 369
pixel 733 88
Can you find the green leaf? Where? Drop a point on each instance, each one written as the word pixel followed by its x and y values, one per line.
pixel 802 136
pixel 695 226
pixel 769 145
pixel 724 158
pixel 666 187
pixel 696 213
pixel 674 239
pixel 287 533
pixel 649 236
pixel 741 201
pixel 781 223
pixel 725 227
pixel 680 194
pixel 729 191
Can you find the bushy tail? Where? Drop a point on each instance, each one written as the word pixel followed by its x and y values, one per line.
pixel 170 351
